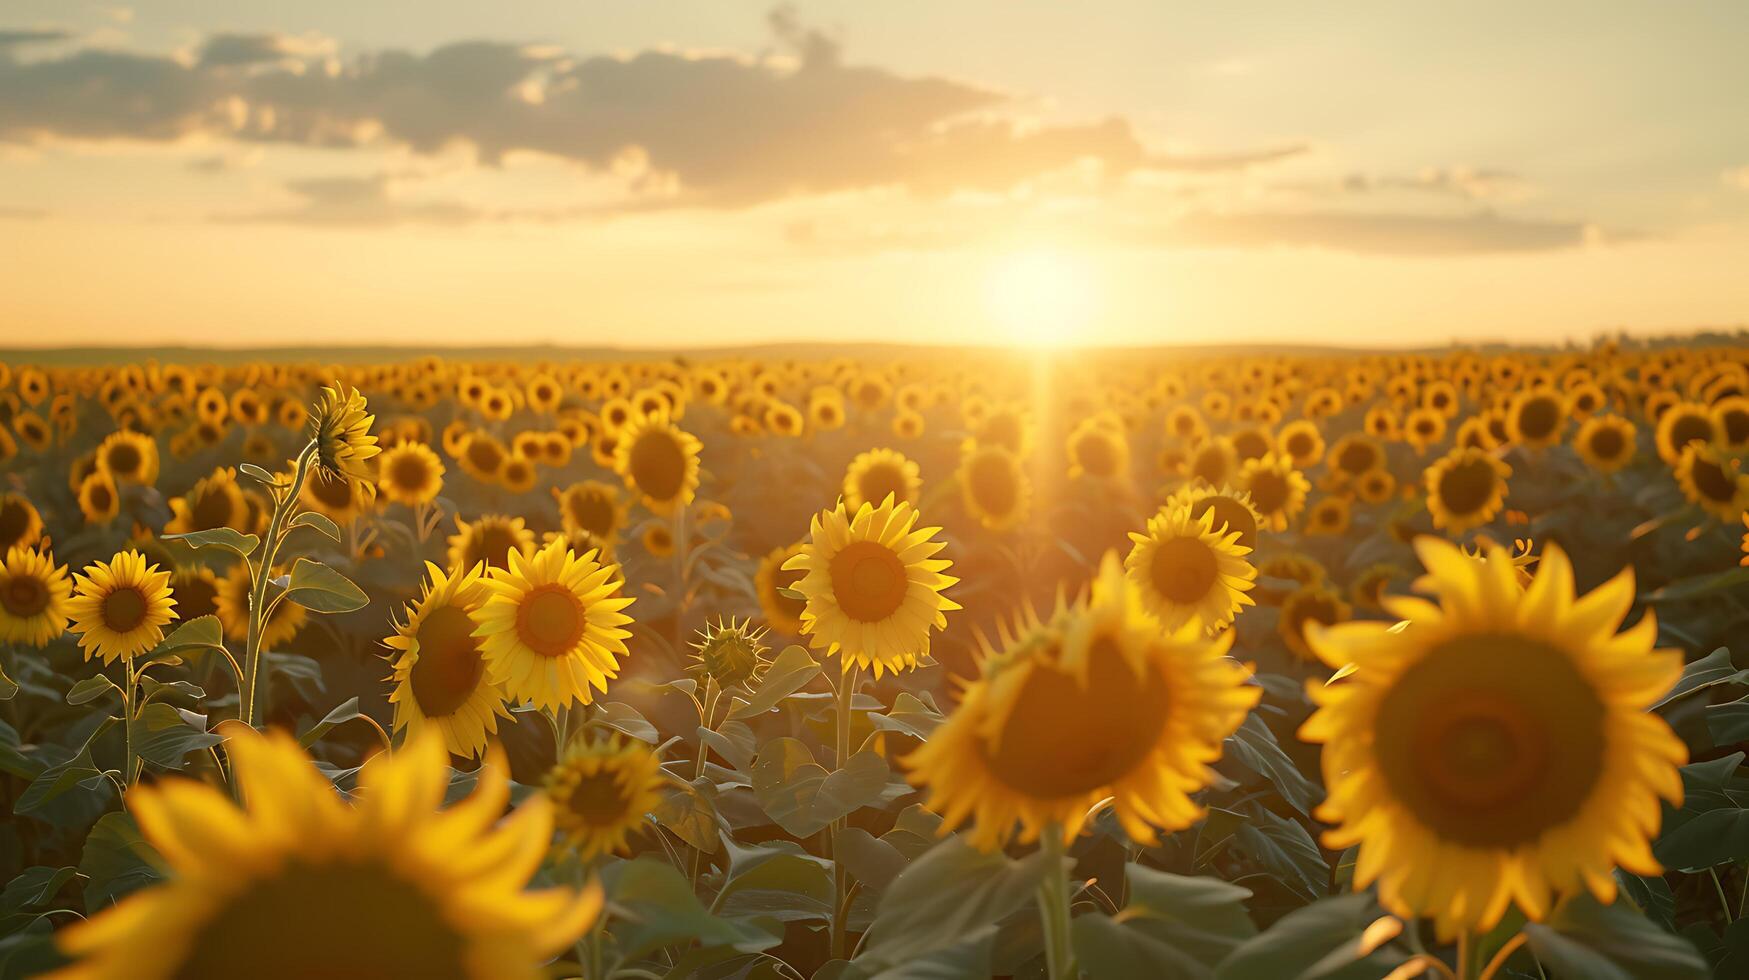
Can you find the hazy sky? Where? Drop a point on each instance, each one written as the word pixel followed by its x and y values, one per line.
pixel 685 172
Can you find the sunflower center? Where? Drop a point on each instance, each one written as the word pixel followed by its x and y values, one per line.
pixel 195 597
pixel 99 497
pixel 124 459
pixel 409 472
pixel 1467 487
pixel 1061 738
pixel 1230 516
pixel 881 479
pixel 868 580
pixel 124 609
pixel 992 484
pixel 550 621
pixel 1250 444
pixel 1538 418
pixel 1269 491
pixel 1096 454
pixel 658 465
pixel 335 920
pixel 25 596
pixel 1711 479
pixel 333 491
pixel 13 520
pixel 1607 443
pixel 449 666
pixel 211 509
pixel 592 512
pixel 1184 570
pixel 1690 428
pixel 485 455
pixel 1356 458
pixel 597 800
pixel 1298 444
pixel 1210 466
pixel 492 545
pixel 1491 739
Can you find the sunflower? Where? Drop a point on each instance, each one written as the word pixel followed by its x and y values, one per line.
pixel 1276 489
pixel 729 652
pixel 591 506
pixel 1098 449
pixel 877 474
pixel 33 430
pixel 993 486
pixel 1712 481
pixel 196 591
pixel 1681 424
pixel 1301 441
pixel 482 456
pixel 1606 443
pixel 215 501
pixel 1232 510
pixel 296 883
pixel 873 587
pixel 1498 750
pixel 1186 571
pixel 1375 486
pixel 410 474
pixel 1731 423
pixel 659 462
pixel 120 607
pixel 129 457
pixel 1423 428
pixel 340 428
pixel 232 607
pixel 1465 489
pixel 1214 462
pixel 1368 588
pixel 907 425
pixel 20 524
pixel 1328 517
pixel 1311 603
pixel 34 593
pixel 658 539
pixel 1096 702
pixel 552 626
pixel 490 538
pixel 1536 418
pixel 439 676
pixel 782 613
pixel 601 792
pixel 98 499
pixel 335 497
pixel 1355 454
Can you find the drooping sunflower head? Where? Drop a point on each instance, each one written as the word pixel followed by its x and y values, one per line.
pixel 438 671
pixel 1497 748
pixel 120 607
pixel 601 792
pixel 873 586
pixel 552 625
pixel 33 597
pixel 297 883
pixel 340 428
pixel 994 486
pixel 729 652
pixel 410 473
pixel 1465 489
pixel 876 474
pixel 771 580
pixel 1185 571
pixel 659 462
pixel 1094 702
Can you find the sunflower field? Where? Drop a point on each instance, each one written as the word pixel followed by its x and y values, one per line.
pixel 1110 666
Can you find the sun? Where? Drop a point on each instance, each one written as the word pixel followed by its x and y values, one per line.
pixel 1040 297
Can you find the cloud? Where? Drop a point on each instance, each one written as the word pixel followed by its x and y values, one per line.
pixel 705 130
pixel 1372 233
pixel 359 202
pixel 1464 183
pixel 18 39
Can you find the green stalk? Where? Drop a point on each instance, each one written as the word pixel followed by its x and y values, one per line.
pixel 283 506
pixel 840 881
pixel 131 765
pixel 1053 907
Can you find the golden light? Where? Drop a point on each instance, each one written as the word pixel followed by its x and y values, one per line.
pixel 1040 297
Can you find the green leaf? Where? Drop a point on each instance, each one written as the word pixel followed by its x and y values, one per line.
pixel 202 632
pixel 343 712
pixel 785 887
pixel 1709 671
pixel 687 810
pixel 802 797
pixel 116 860
pixel 320 522
pixel 304 674
pixel 319 588
pixel 627 720
pixel 1728 723
pixel 1285 849
pixel 164 735
pixel 1109 950
pixel 79 772
pixel 1700 586
pixel 8 686
pixel 260 475
pixel 789 673
pixel 227 538
pixel 90 689
pixel 34 888
pixel 1255 747
pixel 910 715
pixel 869 859
pixel 657 908
pixel 732 740
pixel 1652 896
pixel 1611 942
pixel 1712 827
pixel 1203 917
pixel 949 893
pixel 1321 941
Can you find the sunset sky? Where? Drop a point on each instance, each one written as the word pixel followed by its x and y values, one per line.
pixel 714 172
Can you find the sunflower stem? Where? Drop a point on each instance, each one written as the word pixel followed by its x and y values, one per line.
pixel 1466 955
pixel 251 704
pixel 131 759
pixel 1719 887
pixel 841 744
pixel 1053 906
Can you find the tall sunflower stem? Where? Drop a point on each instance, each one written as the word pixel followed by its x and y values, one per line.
pixel 1466 956
pixel 1719 887
pixel 131 758
pixel 841 745
pixel 707 714
pixel 283 506
pixel 1053 905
